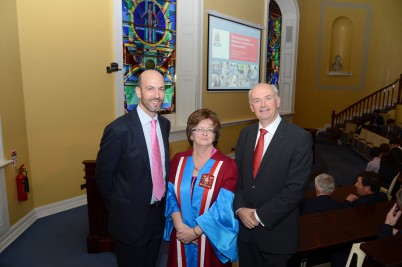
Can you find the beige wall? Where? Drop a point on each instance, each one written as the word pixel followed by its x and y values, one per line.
pixel 65 48
pixel 313 106
pixel 56 97
pixel 12 108
pixel 59 96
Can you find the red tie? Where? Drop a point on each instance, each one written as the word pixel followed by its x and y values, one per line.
pixel 258 151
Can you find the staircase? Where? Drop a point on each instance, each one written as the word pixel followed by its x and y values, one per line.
pixel 360 112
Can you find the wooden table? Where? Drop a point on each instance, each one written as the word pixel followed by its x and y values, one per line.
pixel 383 252
pixel 341 227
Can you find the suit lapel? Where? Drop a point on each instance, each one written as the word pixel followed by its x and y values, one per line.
pixel 274 144
pixel 139 137
pixel 276 140
pixel 165 129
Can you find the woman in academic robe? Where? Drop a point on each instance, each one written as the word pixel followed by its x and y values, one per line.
pixel 200 223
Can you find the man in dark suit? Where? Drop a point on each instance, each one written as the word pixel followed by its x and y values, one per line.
pixel 391 130
pixel 368 190
pixel 126 175
pixel 324 187
pixel 377 121
pixel 267 202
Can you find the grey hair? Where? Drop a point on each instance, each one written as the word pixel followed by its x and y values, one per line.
pixel 273 87
pixel 325 183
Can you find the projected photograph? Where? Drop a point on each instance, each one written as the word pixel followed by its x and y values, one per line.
pixel 233 55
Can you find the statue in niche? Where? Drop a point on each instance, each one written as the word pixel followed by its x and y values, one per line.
pixel 337 65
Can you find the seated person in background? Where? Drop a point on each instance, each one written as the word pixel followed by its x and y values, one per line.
pixel 395 142
pixel 374 164
pixel 387 229
pixel 391 130
pixel 324 187
pixel 390 166
pixel 368 190
pixel 377 121
pixel 384 149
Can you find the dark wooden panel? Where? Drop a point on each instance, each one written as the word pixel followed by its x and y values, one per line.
pixel 98 239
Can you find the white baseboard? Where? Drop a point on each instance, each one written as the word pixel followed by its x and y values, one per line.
pixel 22 225
pixel 61 206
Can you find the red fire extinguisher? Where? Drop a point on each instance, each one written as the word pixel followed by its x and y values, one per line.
pixel 22 183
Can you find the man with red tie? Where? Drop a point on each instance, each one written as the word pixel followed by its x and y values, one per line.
pixel 131 170
pixel 274 171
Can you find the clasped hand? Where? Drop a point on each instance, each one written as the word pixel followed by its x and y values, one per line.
pixel 247 217
pixel 185 234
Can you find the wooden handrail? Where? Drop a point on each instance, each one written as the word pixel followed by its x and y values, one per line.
pixel 383 99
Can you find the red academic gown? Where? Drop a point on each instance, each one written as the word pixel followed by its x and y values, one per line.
pixel 208 205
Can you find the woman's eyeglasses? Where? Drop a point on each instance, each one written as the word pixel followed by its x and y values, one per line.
pixel 203 131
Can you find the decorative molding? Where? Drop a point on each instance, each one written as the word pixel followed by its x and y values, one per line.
pixel 17 229
pixel 362 71
pixel 339 73
pixel 60 206
pixel 178 133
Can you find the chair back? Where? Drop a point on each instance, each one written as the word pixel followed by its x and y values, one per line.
pixel 377 140
pixel 350 127
pixel 391 187
pixel 369 137
pixel 355 250
pixel 363 133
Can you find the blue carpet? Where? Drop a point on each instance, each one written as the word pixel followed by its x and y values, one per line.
pixel 56 241
pixel 340 161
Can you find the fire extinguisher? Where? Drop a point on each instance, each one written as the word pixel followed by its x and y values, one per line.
pixel 22 183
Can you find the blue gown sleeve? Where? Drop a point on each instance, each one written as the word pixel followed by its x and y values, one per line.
pixel 221 227
pixel 171 206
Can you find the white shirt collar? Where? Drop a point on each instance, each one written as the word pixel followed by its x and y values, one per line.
pixel 273 126
pixel 144 117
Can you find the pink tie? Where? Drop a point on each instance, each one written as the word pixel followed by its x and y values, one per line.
pixel 157 173
pixel 258 151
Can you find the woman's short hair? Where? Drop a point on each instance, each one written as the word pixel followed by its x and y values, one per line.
pixel 199 115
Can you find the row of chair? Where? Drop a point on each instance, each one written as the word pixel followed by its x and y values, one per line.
pixel 361 142
pixel 366 140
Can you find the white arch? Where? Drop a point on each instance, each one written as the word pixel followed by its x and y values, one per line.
pixel 288 57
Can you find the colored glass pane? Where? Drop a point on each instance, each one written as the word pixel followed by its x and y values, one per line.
pixel 149 42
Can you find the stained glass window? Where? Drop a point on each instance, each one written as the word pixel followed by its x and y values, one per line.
pixel 149 42
pixel 274 43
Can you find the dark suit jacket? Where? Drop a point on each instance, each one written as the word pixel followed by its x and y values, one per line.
pixel 368 199
pixel 386 231
pixel 277 188
pixel 123 174
pixel 319 204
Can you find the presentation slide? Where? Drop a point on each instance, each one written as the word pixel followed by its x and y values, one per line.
pixel 233 55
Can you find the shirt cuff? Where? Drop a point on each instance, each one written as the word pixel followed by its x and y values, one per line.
pixel 237 211
pixel 258 218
